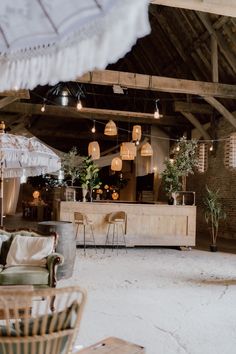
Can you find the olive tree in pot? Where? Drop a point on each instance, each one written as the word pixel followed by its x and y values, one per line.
pixel 213 214
pixel 170 178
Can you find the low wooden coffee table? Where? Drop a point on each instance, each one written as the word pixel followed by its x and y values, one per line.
pixel 113 345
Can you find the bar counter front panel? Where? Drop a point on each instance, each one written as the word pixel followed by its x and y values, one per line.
pixel 147 224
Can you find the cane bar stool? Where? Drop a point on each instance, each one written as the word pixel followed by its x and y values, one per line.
pixel 117 226
pixel 81 219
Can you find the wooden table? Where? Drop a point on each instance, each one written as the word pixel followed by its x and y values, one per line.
pixel 113 345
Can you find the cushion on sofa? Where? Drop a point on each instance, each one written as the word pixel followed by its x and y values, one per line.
pixel 24 275
pixel 31 251
pixel 5 246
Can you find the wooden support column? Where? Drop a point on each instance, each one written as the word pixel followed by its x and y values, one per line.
pixel 214 59
pixel 197 124
pixel 220 108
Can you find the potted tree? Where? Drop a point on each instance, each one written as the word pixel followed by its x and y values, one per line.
pixel 70 165
pixel 170 179
pixel 213 214
pixel 186 158
pixel 88 177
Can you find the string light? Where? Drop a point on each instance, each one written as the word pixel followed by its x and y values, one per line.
pixel 211 148
pixel 79 105
pixel 93 130
pixel 157 112
pixel 43 107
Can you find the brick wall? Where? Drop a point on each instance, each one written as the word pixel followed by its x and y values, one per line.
pixel 217 177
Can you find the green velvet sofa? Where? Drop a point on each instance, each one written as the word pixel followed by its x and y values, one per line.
pixel 28 270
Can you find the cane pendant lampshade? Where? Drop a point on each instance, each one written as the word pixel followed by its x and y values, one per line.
pixel 116 164
pixel 202 154
pixel 137 132
pixel 94 150
pixel 110 128
pixel 230 152
pixel 146 150
pixel 128 151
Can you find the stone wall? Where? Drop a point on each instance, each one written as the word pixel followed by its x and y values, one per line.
pixel 217 177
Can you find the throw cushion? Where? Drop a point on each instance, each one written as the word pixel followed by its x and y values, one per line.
pixel 5 249
pixel 27 250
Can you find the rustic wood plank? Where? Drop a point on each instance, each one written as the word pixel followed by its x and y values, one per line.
pixel 180 106
pixel 220 7
pixel 18 93
pixel 7 100
pixel 159 83
pixel 214 59
pixel 221 108
pixel 93 113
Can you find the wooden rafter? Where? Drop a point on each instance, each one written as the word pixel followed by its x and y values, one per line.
pixel 197 124
pixel 158 83
pixel 221 109
pixel 189 107
pixel 93 113
pixel 24 94
pixel 7 100
pixel 220 7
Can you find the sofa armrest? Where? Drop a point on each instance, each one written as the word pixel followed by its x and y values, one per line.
pixel 53 260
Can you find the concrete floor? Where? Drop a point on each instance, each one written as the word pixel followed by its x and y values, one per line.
pixel 167 300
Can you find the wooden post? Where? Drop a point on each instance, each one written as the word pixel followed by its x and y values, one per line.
pixel 214 59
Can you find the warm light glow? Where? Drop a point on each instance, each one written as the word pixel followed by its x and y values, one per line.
pixel 93 130
pixel 116 164
pixel 157 114
pixel 128 151
pixel 146 150
pixel 43 108
pixel 79 105
pixel 110 128
pixel 36 194
pixel 94 150
pixel 211 148
pixel 137 133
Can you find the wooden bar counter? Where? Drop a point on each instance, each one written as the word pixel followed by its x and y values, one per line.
pixel 147 224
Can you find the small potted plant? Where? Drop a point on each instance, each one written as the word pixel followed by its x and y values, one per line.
pixel 213 214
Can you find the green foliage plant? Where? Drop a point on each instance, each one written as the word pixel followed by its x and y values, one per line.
pixel 213 212
pixel 170 177
pixel 70 165
pixel 88 177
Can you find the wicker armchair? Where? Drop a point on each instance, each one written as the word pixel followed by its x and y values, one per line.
pixel 28 326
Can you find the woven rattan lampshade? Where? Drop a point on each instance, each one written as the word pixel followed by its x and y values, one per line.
pixel 202 153
pixel 146 150
pixel 116 164
pixel 230 152
pixel 128 151
pixel 110 128
pixel 137 132
pixel 94 150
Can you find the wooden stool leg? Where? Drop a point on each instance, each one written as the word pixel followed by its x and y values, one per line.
pixel 92 234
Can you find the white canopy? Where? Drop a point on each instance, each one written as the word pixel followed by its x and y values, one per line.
pixel 47 41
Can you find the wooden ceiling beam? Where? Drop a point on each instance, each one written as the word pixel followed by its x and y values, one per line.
pixel 158 83
pixel 189 107
pixel 220 7
pixel 197 124
pixel 93 113
pixel 24 94
pixel 7 100
pixel 221 109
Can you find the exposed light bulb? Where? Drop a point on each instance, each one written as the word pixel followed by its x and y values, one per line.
pixel 157 114
pixel 177 148
pixel 43 108
pixel 211 148
pixel 137 142
pixel 93 130
pixel 79 105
